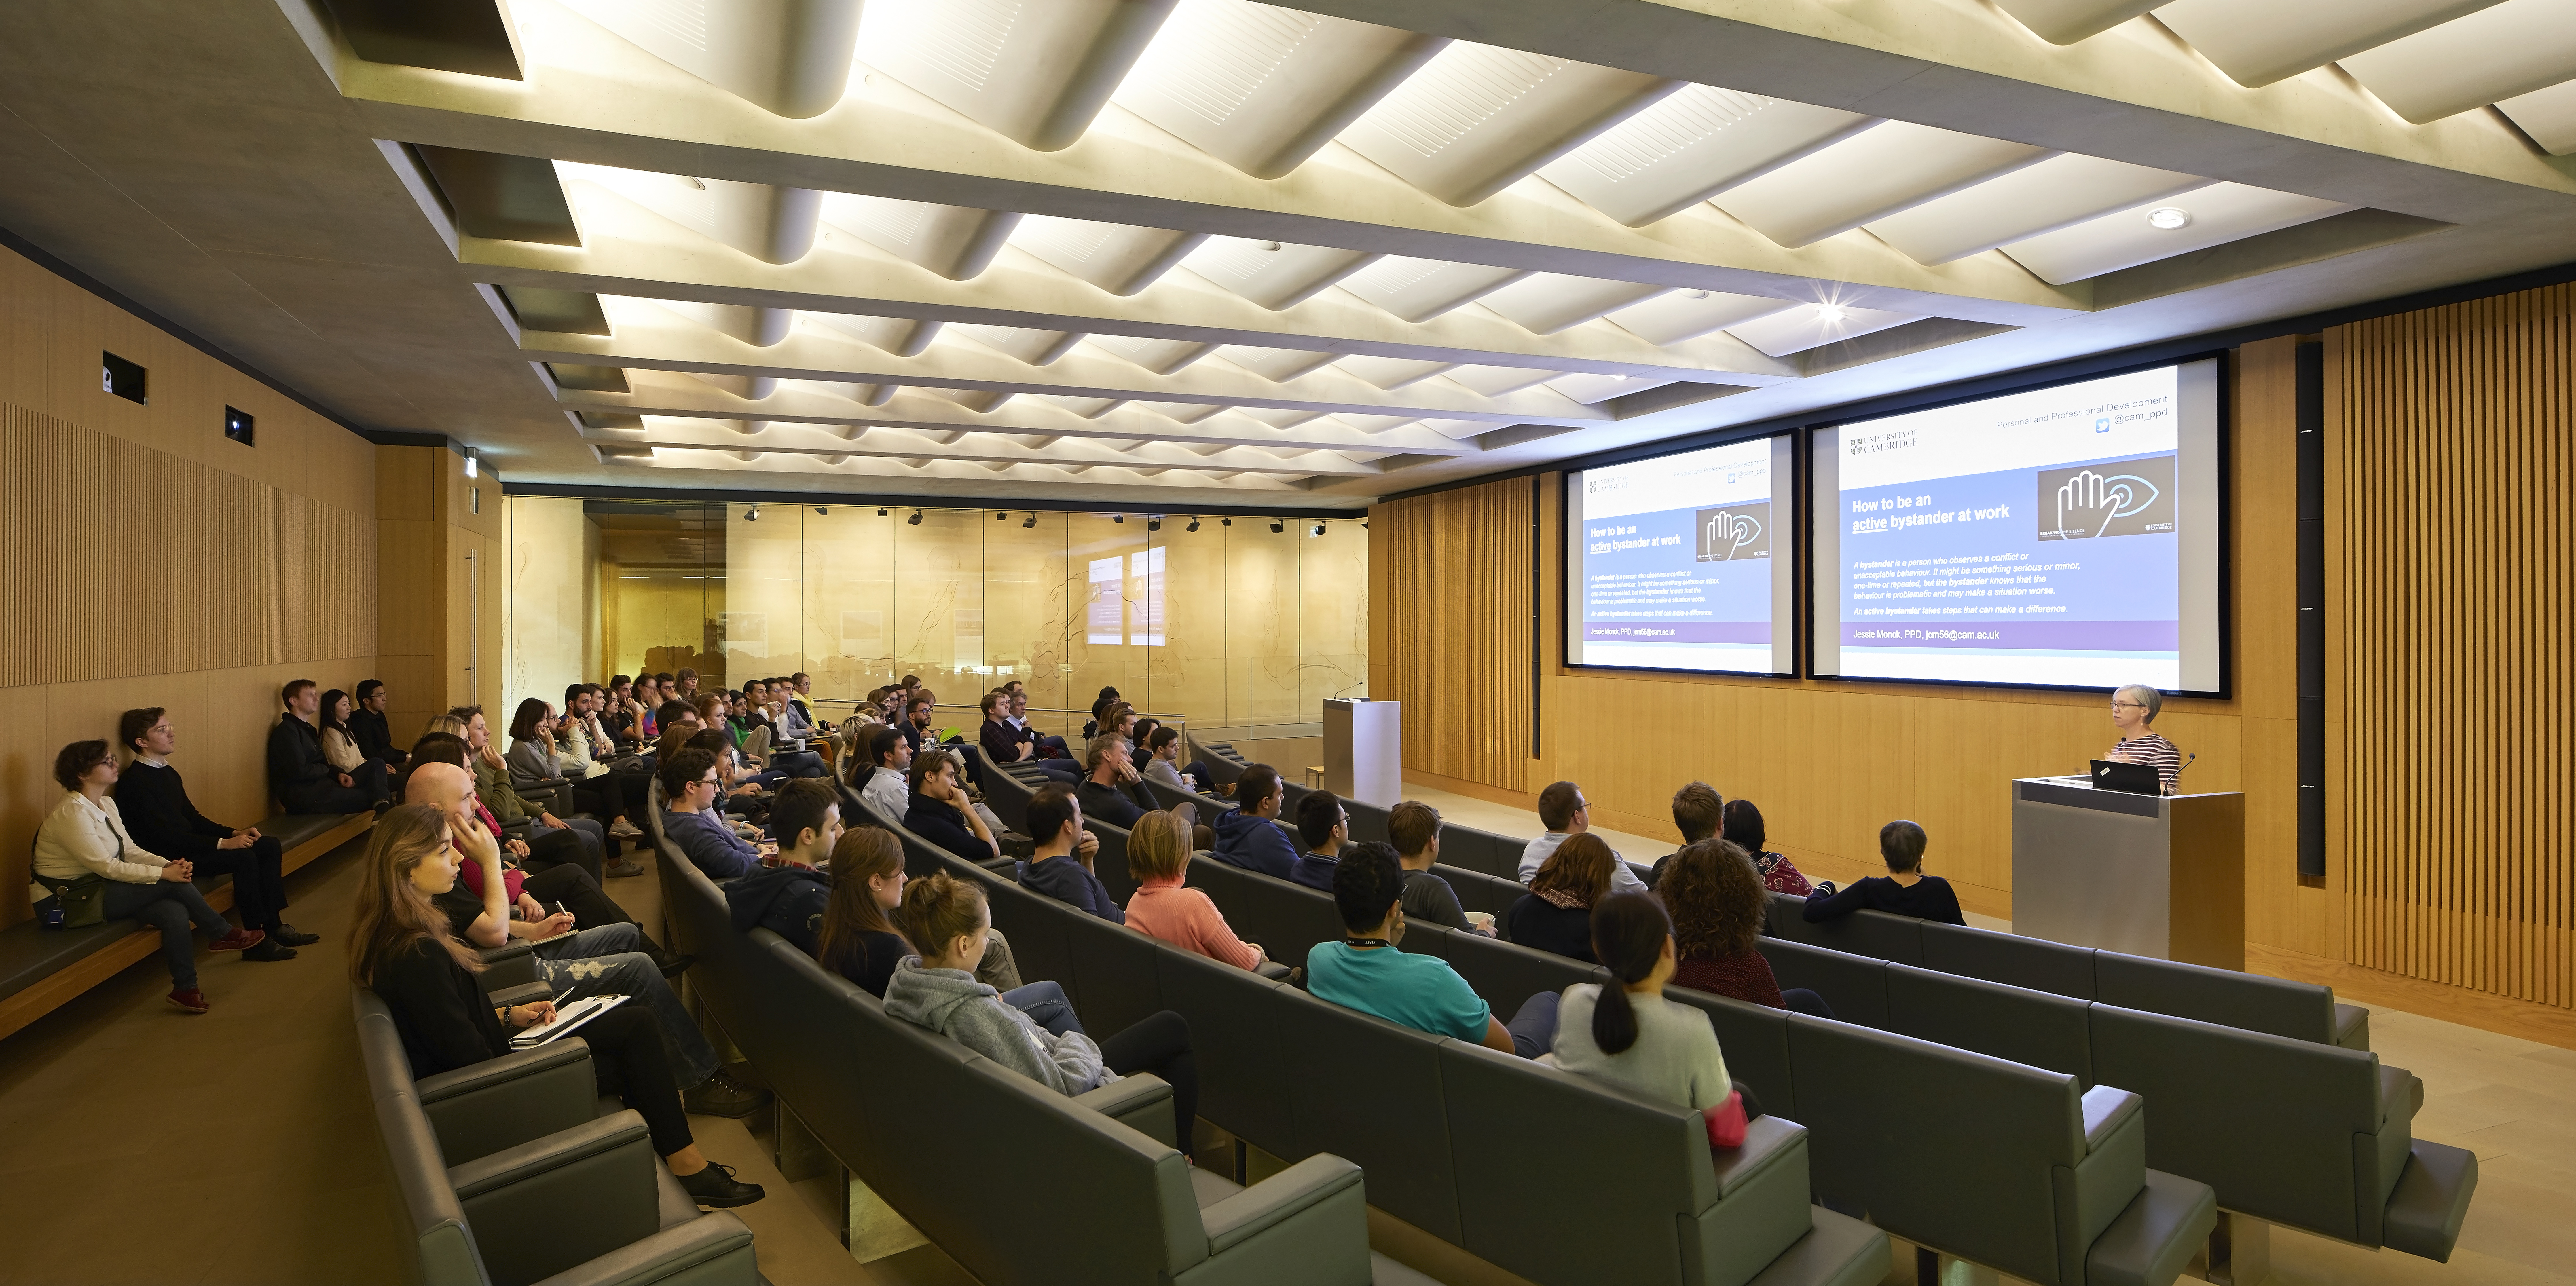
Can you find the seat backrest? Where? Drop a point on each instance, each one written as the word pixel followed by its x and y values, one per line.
pixel 1369 1091
pixel 1242 1060
pixel 1941 1146
pixel 1284 918
pixel 1115 971
pixel 1368 822
pixel 1110 861
pixel 380 1045
pixel 2298 1010
pixel 1222 763
pixel 1008 795
pixel 1755 1041
pixel 2244 1112
pixel 1627 1171
pixel 1855 986
pixel 1478 891
pixel 2032 1027
pixel 1479 850
pixel 1862 933
pixel 1504 974
pixel 2035 963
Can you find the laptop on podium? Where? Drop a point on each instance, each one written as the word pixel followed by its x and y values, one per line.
pixel 2134 779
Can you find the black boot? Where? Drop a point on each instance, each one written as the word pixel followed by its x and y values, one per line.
pixel 715 1187
pixel 287 934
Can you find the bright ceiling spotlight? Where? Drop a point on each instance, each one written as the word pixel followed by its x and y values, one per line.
pixel 1830 313
pixel 914 520
pixel 2169 217
pixel 753 515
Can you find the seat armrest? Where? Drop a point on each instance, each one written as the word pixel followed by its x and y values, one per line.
pixel 557 1202
pixel 494 1072
pixel 2431 1199
pixel 2104 1109
pixel 711 1250
pixel 1274 970
pixel 526 993
pixel 2351 1027
pixel 2153 1239
pixel 1141 1102
pixel 485 1176
pixel 507 1101
pixel 1768 1140
pixel 1233 1220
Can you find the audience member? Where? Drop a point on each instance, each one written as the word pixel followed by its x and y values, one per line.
pixel 885 779
pixel 1158 855
pixel 300 775
pixel 620 780
pixel 579 904
pixel 367 724
pixel 339 744
pixel 1365 970
pixel 1413 831
pixel 1565 812
pixel 1697 812
pixel 1324 826
pixel 443 741
pixel 1744 830
pixel 1718 908
pixel 1099 707
pixel 1625 1031
pixel 692 823
pixel 536 757
pixel 856 938
pixel 1904 890
pixel 688 682
pixel 84 855
pixel 492 782
pixel 1061 867
pixel 946 919
pixel 939 811
pixel 1008 742
pixel 426 978
pixel 1164 747
pixel 622 715
pixel 1556 914
pixel 1249 836
pixel 154 805
pixel 916 725
pixel 1111 788
pixel 1049 746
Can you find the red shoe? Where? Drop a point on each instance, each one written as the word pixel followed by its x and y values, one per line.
pixel 238 940
pixel 191 1001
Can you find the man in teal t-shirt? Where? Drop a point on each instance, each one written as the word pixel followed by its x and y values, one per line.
pixel 1365 971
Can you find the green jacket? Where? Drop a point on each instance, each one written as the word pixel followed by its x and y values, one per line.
pixel 492 782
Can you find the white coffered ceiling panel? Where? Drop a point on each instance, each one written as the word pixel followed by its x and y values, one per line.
pixel 1033 71
pixel 2256 44
pixel 792 58
pixel 1867 176
pixel 1418 290
pixel 2215 215
pixel 1272 274
pixel 1691 146
pixel 1813 326
pixel 953 241
pixel 1261 87
pixel 2064 22
pixel 1478 118
pixel 2547 115
pixel 2497 52
pixel 2036 198
pixel 1689 314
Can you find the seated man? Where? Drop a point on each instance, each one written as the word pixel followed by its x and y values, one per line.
pixel 886 784
pixel 764 710
pixel 690 782
pixel 791 899
pixel 1564 811
pixel 1365 970
pixel 1904 890
pixel 1163 744
pixel 159 816
pixel 1111 790
pixel 301 776
pixel 1697 814
pixel 918 709
pixel 1049 746
pixel 1005 742
pixel 1325 826
pixel 1413 827
pixel 367 724
pixel 1061 868
pixel 1249 836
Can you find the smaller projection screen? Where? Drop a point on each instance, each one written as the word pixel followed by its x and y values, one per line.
pixel 1682 562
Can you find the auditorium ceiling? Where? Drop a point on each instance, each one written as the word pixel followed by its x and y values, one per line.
pixel 1150 254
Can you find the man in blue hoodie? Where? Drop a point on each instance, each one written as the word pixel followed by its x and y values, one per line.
pixel 1250 836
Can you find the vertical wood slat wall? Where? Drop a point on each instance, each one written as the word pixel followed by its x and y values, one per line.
pixel 2452 462
pixel 1449 628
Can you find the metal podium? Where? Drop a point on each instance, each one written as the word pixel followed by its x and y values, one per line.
pixel 2160 876
pixel 1364 750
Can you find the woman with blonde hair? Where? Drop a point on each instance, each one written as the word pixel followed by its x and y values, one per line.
pixel 1556 914
pixel 403 952
pixel 1158 854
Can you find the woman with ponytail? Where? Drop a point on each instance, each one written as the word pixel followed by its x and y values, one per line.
pixel 1626 1033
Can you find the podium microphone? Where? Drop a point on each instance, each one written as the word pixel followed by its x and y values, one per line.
pixel 2187 762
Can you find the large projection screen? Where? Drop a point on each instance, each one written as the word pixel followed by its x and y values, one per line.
pixel 1682 562
pixel 2061 537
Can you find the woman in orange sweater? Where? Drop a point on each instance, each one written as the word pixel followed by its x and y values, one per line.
pixel 1158 851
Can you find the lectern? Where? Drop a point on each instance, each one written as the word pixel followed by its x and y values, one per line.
pixel 2150 875
pixel 1364 750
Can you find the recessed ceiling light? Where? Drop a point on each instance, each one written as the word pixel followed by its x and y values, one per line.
pixel 1830 313
pixel 1695 294
pixel 2169 217
pixel 698 184
pixel 1268 246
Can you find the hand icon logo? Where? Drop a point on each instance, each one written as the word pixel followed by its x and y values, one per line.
pixel 2087 502
pixel 1726 532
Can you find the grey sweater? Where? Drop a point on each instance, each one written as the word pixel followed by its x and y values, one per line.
pixel 952 1003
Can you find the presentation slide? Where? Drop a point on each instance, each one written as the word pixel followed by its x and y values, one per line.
pixel 2061 537
pixel 1682 562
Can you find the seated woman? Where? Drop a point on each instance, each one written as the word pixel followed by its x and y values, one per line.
pixel 1629 1034
pixel 946 919
pixel 1158 854
pixel 536 755
pixel 405 954
pixel 339 740
pixel 593 845
pixel 1743 829
pixel 1717 906
pixel 940 812
pixel 1556 914
pixel 83 844
pixel 1904 890
pixel 854 935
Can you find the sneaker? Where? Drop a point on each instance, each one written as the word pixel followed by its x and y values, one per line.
pixel 288 935
pixel 190 1001
pixel 722 1095
pixel 716 1188
pixel 269 949
pixel 624 829
pixel 621 868
pixel 237 940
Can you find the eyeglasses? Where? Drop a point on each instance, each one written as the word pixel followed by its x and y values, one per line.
pixel 2128 705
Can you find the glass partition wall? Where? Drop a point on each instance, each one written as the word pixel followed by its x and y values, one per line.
pixel 1234 625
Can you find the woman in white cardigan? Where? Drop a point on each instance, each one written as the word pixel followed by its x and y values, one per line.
pixel 84 835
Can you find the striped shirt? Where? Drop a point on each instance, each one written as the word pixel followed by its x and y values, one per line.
pixel 2155 752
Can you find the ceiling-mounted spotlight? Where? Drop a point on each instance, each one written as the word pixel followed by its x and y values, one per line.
pixel 2169 218
pixel 753 515
pixel 1319 529
pixel 1225 522
pixel 1031 521
pixel 1277 526
pixel 1194 523
pixel 998 515
pixel 1364 524
pixel 881 513
pixel 822 511
pixel 1153 524
pixel 914 520
pixel 1117 517
pixel 1830 313
pixel 471 467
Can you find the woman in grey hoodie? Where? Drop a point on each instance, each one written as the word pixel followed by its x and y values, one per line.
pixel 947 919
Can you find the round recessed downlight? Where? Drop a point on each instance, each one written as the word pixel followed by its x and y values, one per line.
pixel 1830 313
pixel 1694 294
pixel 2169 217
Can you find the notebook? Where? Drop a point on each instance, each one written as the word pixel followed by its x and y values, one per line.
pixel 567 1017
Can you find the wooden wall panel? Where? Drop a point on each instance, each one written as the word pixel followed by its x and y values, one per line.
pixel 1450 629
pixel 2453 631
